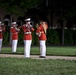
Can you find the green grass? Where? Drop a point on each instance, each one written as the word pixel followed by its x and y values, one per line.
pixel 28 66
pixel 54 50
pixel 22 66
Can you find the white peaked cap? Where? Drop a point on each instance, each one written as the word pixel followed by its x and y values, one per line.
pixel 13 22
pixel 0 22
pixel 28 19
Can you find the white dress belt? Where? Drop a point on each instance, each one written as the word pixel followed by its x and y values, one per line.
pixel 27 33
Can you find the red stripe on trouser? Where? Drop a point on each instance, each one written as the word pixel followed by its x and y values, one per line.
pixel 14 45
pixel 42 48
pixel 27 46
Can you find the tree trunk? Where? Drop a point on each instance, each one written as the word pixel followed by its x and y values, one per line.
pixel 63 35
pixel 63 30
pixel 10 40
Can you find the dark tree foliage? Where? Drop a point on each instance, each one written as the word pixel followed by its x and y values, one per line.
pixel 18 7
pixel 64 8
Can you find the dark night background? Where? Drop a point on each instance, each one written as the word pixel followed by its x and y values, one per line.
pixel 59 14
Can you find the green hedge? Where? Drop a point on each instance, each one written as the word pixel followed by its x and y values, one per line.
pixel 54 37
pixel 69 37
pixel 6 38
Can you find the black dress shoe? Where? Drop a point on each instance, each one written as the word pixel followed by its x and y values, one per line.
pixel 42 56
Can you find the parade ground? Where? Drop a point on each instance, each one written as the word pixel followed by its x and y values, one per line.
pixel 59 61
pixel 53 52
pixel 37 56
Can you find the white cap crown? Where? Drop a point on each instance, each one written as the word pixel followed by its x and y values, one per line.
pixel 13 22
pixel 28 19
pixel 0 22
